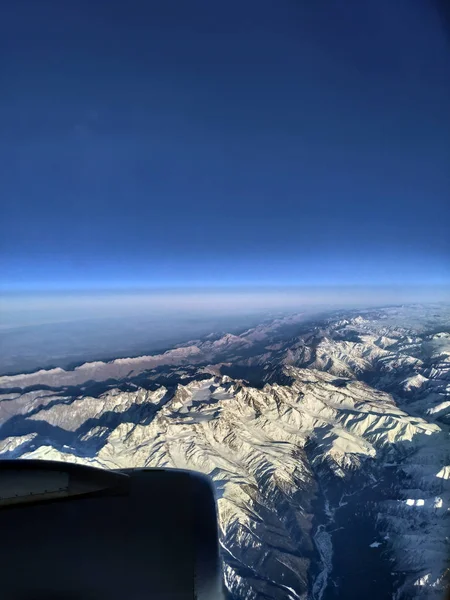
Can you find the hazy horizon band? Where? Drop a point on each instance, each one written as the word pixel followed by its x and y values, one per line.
pixel 17 309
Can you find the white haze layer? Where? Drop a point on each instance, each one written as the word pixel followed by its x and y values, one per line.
pixel 17 310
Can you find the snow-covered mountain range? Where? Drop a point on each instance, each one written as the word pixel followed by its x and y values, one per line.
pixel 327 440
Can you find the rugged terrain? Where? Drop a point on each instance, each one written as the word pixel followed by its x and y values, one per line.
pixel 327 440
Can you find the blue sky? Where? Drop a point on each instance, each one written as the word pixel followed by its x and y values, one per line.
pixel 239 143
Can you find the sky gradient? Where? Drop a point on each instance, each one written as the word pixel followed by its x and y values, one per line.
pixel 172 143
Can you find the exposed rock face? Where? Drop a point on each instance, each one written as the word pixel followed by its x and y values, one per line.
pixel 311 431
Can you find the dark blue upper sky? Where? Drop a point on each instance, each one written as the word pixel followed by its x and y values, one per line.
pixel 173 142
